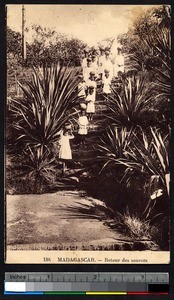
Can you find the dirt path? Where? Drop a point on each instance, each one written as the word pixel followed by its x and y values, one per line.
pixel 56 221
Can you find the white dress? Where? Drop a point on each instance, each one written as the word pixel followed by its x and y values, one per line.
pixel 86 73
pixel 101 60
pixel 90 82
pixel 107 64
pixel 94 84
pixel 65 149
pixel 94 67
pixel 90 103
pixel 106 85
pixel 83 122
pixel 119 65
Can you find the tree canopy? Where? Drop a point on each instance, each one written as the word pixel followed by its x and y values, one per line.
pixel 47 46
pixel 13 42
pixel 147 41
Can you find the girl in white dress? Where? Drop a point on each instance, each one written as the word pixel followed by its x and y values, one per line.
pixel 65 152
pixel 106 82
pixel 87 70
pixel 83 127
pixel 94 65
pixel 91 82
pixel 101 60
pixel 119 64
pixel 107 64
pixel 90 99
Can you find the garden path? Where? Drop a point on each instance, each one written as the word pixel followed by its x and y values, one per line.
pixel 62 220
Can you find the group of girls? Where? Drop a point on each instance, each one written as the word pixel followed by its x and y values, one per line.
pixel 100 60
pixel 96 67
pixel 87 94
pixel 97 63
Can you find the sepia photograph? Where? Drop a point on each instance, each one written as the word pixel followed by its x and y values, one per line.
pixel 87 135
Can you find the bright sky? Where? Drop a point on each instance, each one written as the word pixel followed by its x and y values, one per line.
pixel 90 23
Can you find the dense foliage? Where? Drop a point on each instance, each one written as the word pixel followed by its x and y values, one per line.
pixel 45 46
pixel 48 102
pixel 135 146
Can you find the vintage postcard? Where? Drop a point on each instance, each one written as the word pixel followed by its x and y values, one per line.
pixel 88 122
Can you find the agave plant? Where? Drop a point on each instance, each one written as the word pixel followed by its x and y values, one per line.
pixel 49 102
pixel 134 106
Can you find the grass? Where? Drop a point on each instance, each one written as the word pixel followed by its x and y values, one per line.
pixel 155 233
pixel 135 227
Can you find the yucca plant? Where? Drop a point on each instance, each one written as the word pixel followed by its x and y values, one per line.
pixel 114 145
pixel 49 102
pixel 161 45
pixel 150 157
pixel 144 157
pixel 133 107
pixel 38 168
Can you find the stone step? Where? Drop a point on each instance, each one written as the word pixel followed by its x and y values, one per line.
pixel 100 107
pixel 92 128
